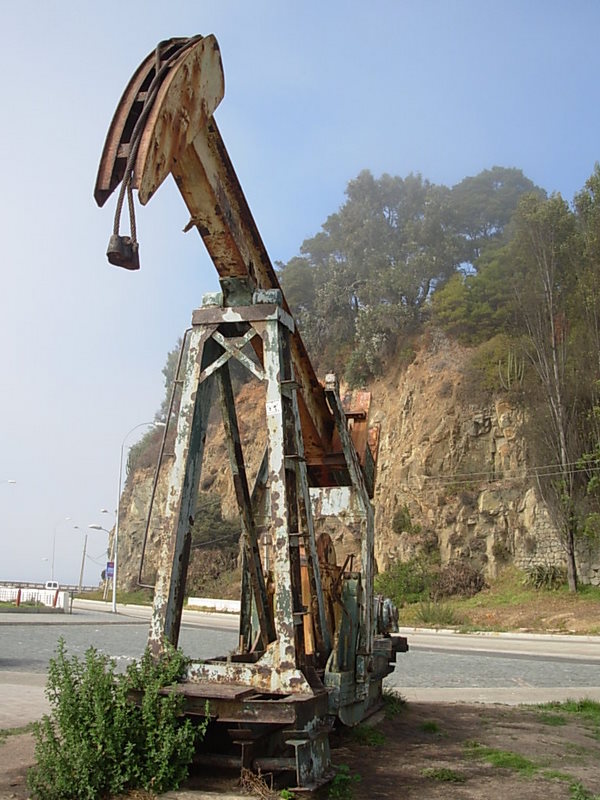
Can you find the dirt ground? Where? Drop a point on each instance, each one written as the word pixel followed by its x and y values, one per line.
pixel 430 751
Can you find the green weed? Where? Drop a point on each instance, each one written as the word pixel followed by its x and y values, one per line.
pixel 439 614
pixel 504 759
pixel 554 720
pixel 588 711
pixel 6 732
pixel 365 734
pixel 579 792
pixel 443 774
pixel 341 787
pixel 430 726
pixel 393 703
pixel 554 774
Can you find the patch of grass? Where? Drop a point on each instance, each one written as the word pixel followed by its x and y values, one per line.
pixel 430 726
pixel 365 734
pixel 393 703
pixel 503 759
pixel 579 792
pixel 341 787
pixel 588 711
pixel 6 732
pixel 139 597
pixel 556 775
pixel 554 720
pixel 443 774
pixel 506 590
pixel 438 614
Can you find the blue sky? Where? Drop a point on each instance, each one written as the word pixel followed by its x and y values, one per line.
pixel 315 92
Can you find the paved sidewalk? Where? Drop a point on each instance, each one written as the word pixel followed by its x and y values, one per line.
pixel 22 698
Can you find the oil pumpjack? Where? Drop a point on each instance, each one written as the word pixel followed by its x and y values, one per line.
pixel 314 641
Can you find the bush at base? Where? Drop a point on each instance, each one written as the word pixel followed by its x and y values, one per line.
pixel 95 742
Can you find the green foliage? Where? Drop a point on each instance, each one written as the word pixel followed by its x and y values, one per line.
pixel 484 204
pixel 393 703
pixel 443 774
pixel 5 733
pixel 588 710
pixel 367 278
pixel 430 726
pixel 496 365
pixel 96 742
pixel 545 576
pixel 437 614
pixel 579 792
pixel 367 735
pixel 341 787
pixel 405 581
pixel 503 759
pixel 286 794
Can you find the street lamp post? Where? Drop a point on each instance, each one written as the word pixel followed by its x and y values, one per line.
pixel 82 558
pixel 118 519
pixel 94 526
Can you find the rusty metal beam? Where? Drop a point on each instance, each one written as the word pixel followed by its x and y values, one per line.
pixel 184 479
pixel 368 535
pixel 242 493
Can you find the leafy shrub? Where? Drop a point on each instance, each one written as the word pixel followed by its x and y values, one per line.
pixel 96 742
pixel 405 581
pixel 546 576
pixel 458 578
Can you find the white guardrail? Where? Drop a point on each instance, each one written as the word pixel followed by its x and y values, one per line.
pixel 211 604
pixel 53 598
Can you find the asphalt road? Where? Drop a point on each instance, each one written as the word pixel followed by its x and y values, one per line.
pixel 439 666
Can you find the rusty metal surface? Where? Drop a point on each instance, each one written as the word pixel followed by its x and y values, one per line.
pixel 210 188
pixel 118 141
pixel 182 494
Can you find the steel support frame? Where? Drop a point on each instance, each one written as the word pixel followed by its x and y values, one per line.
pixel 282 660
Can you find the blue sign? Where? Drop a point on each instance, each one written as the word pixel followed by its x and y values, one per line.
pixel 110 569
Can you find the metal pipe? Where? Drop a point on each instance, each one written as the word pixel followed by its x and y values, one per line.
pixel 82 561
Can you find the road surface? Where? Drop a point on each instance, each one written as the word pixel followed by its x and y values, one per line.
pixel 441 666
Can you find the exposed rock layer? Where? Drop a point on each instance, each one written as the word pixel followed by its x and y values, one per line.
pixel 452 475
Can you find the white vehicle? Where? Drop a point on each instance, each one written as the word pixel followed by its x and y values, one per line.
pixel 52 585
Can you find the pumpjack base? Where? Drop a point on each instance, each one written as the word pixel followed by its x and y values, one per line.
pixel 266 732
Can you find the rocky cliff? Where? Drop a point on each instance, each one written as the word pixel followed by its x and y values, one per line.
pixel 452 474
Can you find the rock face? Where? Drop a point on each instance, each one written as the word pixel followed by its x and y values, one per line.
pixel 451 475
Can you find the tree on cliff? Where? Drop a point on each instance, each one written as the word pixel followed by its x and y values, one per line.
pixel 366 279
pixel 544 256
